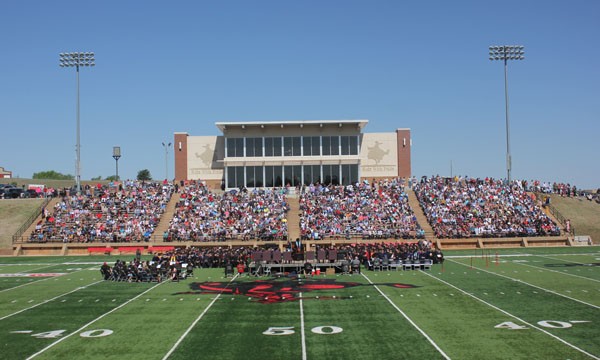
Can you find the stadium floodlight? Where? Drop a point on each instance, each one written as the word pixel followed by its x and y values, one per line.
pixel 75 60
pixel 507 52
pixel 166 146
pixel 116 156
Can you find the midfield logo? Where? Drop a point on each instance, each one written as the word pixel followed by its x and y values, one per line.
pixel 277 291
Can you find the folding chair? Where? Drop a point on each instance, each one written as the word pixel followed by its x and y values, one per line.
pixel 426 264
pixel 277 257
pixel 332 255
pixel 229 269
pixel 321 256
pixel 385 264
pixel 267 256
pixel 267 270
pixel 356 267
pixel 345 267
pixel 377 264
pixel 309 256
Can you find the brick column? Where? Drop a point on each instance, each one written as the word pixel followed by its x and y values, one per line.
pixel 181 157
pixel 404 145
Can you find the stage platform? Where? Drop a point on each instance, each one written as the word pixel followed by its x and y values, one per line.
pixel 265 268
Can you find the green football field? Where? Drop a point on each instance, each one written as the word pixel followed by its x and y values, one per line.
pixel 505 304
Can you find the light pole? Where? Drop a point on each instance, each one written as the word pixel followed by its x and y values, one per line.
pixel 507 52
pixel 76 60
pixel 166 146
pixel 117 156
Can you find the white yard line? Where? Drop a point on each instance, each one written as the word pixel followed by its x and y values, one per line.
pixel 566 261
pixel 513 316
pixel 556 271
pixel 195 322
pixel 29 283
pixel 474 255
pixel 528 284
pixel 27 264
pixel 38 281
pixel 408 319
pixel 488 255
pixel 39 268
pixel 46 301
pixel 93 321
pixel 302 334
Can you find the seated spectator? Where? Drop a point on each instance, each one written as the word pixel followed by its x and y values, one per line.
pixel 202 215
pixel 373 211
pixel 465 207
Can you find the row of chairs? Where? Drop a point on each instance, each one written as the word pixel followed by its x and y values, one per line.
pixel 378 264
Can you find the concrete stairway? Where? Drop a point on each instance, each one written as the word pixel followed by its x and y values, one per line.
pixel 414 204
pixel 165 218
pixel 293 218
pixel 50 207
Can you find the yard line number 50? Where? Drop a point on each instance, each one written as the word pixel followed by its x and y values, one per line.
pixel 289 330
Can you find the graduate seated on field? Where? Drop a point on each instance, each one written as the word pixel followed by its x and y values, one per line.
pixel 308 268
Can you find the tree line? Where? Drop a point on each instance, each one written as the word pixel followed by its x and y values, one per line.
pixel 142 175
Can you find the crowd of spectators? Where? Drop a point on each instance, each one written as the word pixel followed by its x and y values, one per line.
pixel 125 212
pixel 377 210
pixel 561 189
pixel 465 207
pixel 202 215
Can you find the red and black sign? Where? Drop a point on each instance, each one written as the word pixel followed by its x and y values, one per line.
pixel 276 290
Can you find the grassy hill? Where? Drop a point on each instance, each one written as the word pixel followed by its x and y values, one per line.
pixel 584 215
pixel 13 213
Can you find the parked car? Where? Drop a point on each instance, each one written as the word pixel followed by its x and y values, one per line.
pixel 12 193
pixel 31 193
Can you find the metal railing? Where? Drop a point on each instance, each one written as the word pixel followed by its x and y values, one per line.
pixel 557 214
pixel 30 220
pixel 561 219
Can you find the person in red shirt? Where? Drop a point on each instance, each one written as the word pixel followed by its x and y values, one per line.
pixel 240 269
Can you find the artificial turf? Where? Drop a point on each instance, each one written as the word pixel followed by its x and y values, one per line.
pixel 529 304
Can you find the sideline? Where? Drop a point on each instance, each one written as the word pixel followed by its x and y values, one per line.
pixel 528 284
pixel 31 282
pixel 476 253
pixel 195 322
pixel 513 316
pixel 563 260
pixel 93 321
pixel 407 318
pixel 302 334
pixel 38 281
pixel 556 271
pixel 46 301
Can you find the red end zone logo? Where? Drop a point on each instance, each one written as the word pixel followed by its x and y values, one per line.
pixel 275 291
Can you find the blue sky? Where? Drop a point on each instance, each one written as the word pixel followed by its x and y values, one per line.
pixel 165 67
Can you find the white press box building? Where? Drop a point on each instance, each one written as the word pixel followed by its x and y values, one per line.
pixel 281 153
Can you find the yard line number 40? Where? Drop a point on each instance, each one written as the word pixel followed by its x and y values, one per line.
pixel 273 330
pixel 58 333
pixel 552 324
